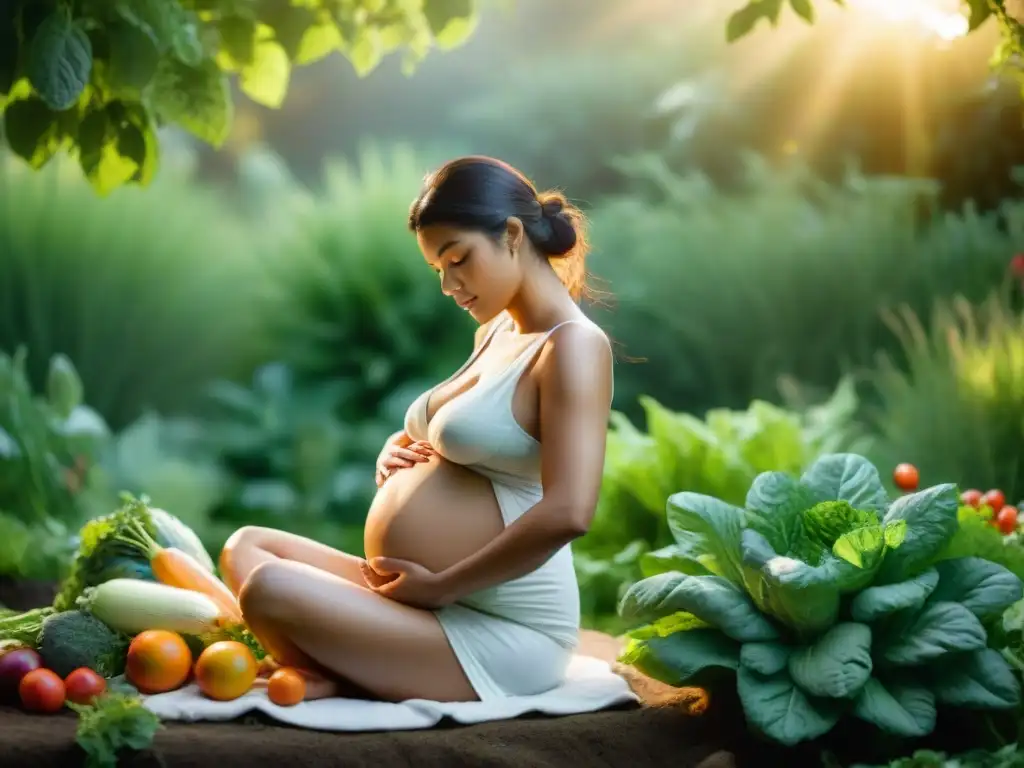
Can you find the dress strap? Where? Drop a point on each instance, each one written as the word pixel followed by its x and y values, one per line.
pixel 524 358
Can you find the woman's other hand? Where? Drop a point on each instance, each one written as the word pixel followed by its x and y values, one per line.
pixel 398 456
pixel 406 582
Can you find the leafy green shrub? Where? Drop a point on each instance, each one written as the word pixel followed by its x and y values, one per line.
pixel 719 295
pixel 827 600
pixel 957 408
pixel 1006 756
pixel 149 292
pixel 48 448
pixel 353 301
pixel 720 455
pixel 291 458
pixel 165 460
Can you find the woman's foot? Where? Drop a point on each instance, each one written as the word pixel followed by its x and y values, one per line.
pixel 317 686
pixel 267 666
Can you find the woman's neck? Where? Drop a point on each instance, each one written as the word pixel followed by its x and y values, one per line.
pixel 542 301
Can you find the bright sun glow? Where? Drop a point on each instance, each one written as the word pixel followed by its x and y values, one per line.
pixel 940 17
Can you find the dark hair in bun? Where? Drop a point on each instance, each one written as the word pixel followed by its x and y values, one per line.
pixel 482 193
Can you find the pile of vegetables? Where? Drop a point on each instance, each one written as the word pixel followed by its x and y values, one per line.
pixel 827 600
pixel 142 612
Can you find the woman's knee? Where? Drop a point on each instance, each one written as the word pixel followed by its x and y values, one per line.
pixel 265 589
pixel 245 537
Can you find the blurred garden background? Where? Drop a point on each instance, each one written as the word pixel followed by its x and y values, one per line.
pixel 804 241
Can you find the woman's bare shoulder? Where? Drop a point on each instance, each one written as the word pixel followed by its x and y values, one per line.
pixel 578 350
pixel 581 333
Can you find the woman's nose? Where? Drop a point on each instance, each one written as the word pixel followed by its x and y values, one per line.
pixel 448 284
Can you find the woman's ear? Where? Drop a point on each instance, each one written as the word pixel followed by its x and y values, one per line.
pixel 514 233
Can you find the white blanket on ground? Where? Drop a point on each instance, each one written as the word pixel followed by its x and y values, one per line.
pixel 590 685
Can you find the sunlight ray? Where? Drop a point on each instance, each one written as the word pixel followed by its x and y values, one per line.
pixel 825 93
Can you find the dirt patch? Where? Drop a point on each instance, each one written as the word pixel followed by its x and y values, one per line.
pixel 640 737
pixel 25 595
pixel 673 726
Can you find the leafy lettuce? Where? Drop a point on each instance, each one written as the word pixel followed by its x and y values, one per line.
pixel 826 600
pixel 719 455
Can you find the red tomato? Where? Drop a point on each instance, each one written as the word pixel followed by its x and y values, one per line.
pixel 906 477
pixel 994 499
pixel 971 497
pixel 83 685
pixel 42 690
pixel 1006 520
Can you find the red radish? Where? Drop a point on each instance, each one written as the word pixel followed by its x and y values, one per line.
pixel 994 499
pixel 1006 519
pixel 14 665
pixel 971 498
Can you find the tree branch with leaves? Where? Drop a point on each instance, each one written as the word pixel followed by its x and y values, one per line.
pixel 96 78
pixel 1009 14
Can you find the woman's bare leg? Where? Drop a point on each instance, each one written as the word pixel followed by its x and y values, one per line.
pixel 252 545
pixel 304 614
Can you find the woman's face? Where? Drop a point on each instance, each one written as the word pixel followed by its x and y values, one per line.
pixel 480 274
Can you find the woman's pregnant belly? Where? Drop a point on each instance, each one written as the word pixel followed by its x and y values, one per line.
pixel 434 513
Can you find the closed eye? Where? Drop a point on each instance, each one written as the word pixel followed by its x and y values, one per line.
pixel 455 263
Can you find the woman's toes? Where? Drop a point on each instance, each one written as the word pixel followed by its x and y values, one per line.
pixel 318 686
pixel 267 667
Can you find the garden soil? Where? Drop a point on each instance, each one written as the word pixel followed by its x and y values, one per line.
pixel 672 727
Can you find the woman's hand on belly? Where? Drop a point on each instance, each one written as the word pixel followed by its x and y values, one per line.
pixel 397 456
pixel 406 582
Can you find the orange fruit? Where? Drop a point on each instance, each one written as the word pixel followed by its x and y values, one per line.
pixel 158 661
pixel 226 670
pixel 286 687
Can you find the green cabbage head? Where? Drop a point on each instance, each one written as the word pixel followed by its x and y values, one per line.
pixel 826 599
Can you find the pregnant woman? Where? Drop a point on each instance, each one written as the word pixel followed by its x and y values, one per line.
pixel 467 591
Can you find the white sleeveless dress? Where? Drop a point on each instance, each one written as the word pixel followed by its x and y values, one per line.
pixel 516 638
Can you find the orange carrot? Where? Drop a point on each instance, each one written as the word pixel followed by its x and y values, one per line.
pixel 179 569
pixel 176 568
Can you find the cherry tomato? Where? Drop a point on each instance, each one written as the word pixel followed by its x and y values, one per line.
pixel 994 499
pixel 906 477
pixel 1017 265
pixel 83 685
pixel 42 690
pixel 971 498
pixel 1006 519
